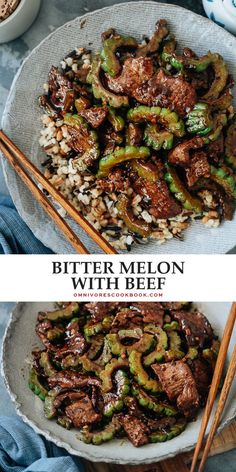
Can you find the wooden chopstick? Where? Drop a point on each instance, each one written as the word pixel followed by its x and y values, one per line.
pixel 41 198
pixel 222 400
pixel 215 381
pixel 68 207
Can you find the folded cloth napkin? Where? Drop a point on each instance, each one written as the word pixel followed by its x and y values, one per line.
pixel 15 236
pixel 22 450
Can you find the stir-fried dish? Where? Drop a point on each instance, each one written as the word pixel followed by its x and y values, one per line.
pixel 116 370
pixel 142 138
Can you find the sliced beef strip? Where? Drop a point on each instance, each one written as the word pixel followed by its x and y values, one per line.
pixel 153 44
pixel 135 72
pixel 94 116
pixel 199 167
pixel 180 154
pixel 161 204
pixel 67 398
pixel 59 86
pixel 74 342
pixel 151 312
pixel 115 181
pixel 134 134
pixel 178 382
pixel 202 374
pixel 79 138
pixel 162 424
pixel 166 91
pixel 136 430
pixel 109 138
pixel 128 319
pixel 100 310
pixel 215 150
pixel 70 379
pixel 41 330
pixel 196 327
pixel 81 412
pixel 173 305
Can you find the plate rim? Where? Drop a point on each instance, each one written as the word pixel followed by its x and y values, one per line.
pixel 13 318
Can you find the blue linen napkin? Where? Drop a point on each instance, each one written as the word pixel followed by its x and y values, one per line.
pixel 15 236
pixel 22 450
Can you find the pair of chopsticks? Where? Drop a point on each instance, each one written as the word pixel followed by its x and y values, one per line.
pixel 213 392
pixel 22 164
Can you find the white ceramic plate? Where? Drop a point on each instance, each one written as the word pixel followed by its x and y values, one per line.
pixel 20 339
pixel 21 118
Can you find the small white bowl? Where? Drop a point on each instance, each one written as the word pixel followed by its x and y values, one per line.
pixel 222 12
pixel 19 21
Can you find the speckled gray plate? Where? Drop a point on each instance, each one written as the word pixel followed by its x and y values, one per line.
pixel 21 118
pixel 20 339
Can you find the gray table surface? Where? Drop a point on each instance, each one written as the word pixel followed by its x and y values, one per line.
pixel 220 463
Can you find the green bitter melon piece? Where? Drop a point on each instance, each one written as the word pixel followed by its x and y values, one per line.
pixel 106 374
pixel 175 430
pixel 114 401
pixel 158 139
pixel 99 91
pixel 142 377
pixel 161 345
pixel 36 385
pixel 150 403
pixel 174 352
pixel 62 314
pixel 167 118
pixel 116 120
pixel 144 344
pixel 199 120
pixel 121 155
pixel 99 437
pixel 178 189
pixel 110 63
pixel 46 364
pixel 135 225
pixel 225 180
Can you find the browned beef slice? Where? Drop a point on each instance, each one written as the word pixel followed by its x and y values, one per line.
pixel 180 155
pixel 196 327
pixel 134 134
pixel 178 382
pixel 94 116
pixel 173 305
pixel 202 375
pixel 199 167
pixel 160 201
pixel 115 181
pixel 41 330
pixel 74 342
pixel 70 379
pixel 151 312
pixel 166 91
pixel 153 44
pixel 162 424
pixel 215 150
pixel 135 72
pixel 127 318
pixel 79 138
pixel 102 309
pixel 81 412
pixel 59 86
pixel 67 397
pixel 136 430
